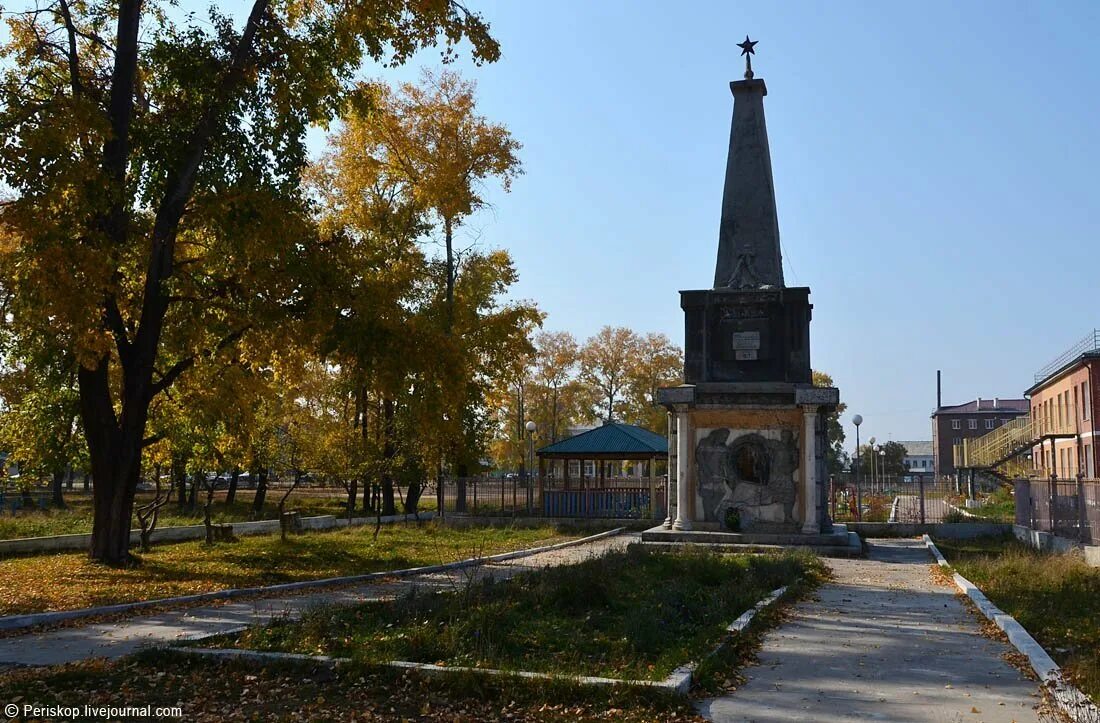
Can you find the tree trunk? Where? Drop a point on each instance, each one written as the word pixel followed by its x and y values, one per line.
pixel 193 493
pixel 368 493
pixel 261 493
pixel 448 233
pixel 389 454
pixel 114 450
pixel 353 493
pixel 206 508
pixel 58 489
pixel 231 491
pixel 179 481
pixel 412 497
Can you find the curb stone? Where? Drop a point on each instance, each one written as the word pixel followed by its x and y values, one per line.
pixel 19 622
pixel 1072 701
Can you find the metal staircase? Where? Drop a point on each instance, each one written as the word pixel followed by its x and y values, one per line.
pixel 998 451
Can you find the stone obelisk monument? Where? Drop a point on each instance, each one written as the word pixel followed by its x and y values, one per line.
pixel 748 424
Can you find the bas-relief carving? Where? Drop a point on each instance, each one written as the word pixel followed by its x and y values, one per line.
pixel 753 471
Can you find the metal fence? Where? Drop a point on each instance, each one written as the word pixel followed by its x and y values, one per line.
pixel 523 496
pixel 1067 508
pixel 912 498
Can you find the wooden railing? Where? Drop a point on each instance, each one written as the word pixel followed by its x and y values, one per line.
pixel 622 503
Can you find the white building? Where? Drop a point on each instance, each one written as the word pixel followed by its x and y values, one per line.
pixel 919 457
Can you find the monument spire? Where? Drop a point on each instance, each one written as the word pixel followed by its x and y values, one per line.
pixel 748 235
pixel 748 52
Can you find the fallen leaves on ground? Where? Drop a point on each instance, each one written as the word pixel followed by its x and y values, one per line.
pixel 220 691
pixel 70 580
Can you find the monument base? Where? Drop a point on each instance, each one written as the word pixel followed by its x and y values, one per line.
pixel 749 458
pixel 837 543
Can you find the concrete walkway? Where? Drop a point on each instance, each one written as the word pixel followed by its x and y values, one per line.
pixel 882 642
pixel 116 639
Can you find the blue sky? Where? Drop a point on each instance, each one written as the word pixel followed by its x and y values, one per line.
pixel 935 169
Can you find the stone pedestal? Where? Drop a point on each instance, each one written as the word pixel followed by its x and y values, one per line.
pixel 750 456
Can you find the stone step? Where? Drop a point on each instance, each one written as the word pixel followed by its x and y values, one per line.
pixel 821 550
pixel 660 534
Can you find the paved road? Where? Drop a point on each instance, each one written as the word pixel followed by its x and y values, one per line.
pixel 116 639
pixel 909 509
pixel 882 642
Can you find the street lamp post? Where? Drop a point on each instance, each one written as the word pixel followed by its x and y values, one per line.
pixel 530 427
pixel 858 420
pixel 874 462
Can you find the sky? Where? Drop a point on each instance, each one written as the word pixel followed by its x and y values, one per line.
pixel 935 170
pixel 935 165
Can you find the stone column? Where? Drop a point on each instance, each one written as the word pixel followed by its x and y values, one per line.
pixel 810 525
pixel 671 467
pixel 684 488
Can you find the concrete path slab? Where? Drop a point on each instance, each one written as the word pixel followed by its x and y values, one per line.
pixel 116 639
pixel 884 641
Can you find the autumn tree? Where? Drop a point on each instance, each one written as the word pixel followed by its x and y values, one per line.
pixel 605 362
pixel 430 138
pixel 418 339
pixel 40 423
pixel 154 216
pixel 512 406
pixel 888 458
pixel 558 400
pixel 655 363
pixel 431 135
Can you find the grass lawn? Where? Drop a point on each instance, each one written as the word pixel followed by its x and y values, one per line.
pixel 999 506
pixel 77 518
pixel 69 580
pixel 1056 597
pixel 220 691
pixel 634 614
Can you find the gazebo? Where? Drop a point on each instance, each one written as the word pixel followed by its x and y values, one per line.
pixel 611 442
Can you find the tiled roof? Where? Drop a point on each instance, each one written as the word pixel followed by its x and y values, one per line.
pixel 611 438
pixel 987 405
pixel 917 449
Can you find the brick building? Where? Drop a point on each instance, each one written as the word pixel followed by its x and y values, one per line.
pixel 1063 400
pixel 951 424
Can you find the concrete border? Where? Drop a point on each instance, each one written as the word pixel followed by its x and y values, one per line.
pixel 1072 701
pixel 179 533
pixel 1049 542
pixel 949 530
pixel 678 681
pixel 18 622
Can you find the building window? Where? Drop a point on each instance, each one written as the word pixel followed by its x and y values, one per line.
pixel 956 424
pixel 1088 461
pixel 1086 403
pixel 972 423
pixel 989 423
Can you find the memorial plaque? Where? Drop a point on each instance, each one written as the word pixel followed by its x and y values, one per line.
pixel 746 341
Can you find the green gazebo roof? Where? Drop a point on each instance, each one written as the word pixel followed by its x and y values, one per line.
pixel 613 440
